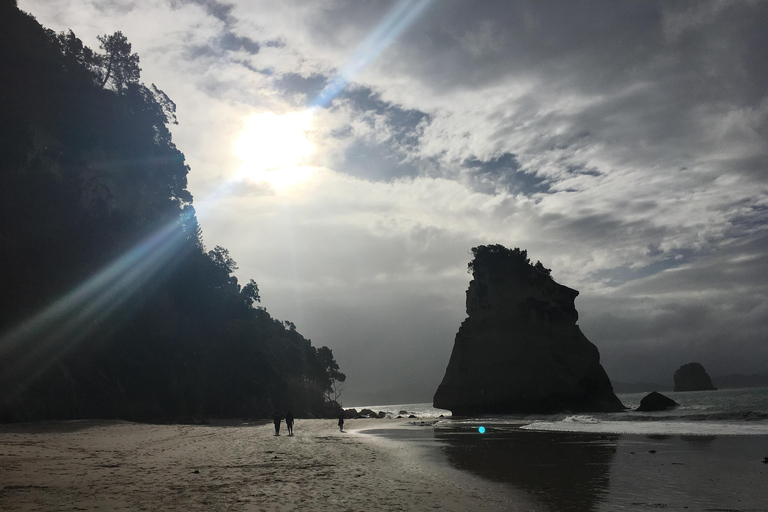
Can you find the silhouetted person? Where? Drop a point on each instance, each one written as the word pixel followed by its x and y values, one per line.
pixel 341 422
pixel 276 418
pixel 289 422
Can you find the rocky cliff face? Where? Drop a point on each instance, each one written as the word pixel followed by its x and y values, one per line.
pixel 692 377
pixel 520 349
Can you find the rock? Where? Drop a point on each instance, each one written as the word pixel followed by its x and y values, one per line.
pixel 412 416
pixel 520 350
pixel 381 415
pixel 350 413
pixel 692 377
pixel 368 413
pixel 403 412
pixel 656 402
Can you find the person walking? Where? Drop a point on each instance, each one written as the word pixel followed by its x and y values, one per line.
pixel 289 422
pixel 276 418
pixel 341 421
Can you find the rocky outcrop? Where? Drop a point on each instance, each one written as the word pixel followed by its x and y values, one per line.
pixel 520 350
pixel 692 377
pixel 655 401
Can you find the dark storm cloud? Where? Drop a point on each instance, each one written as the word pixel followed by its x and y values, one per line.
pixel 380 158
pixel 308 86
pixel 232 42
pixel 504 171
pixel 664 73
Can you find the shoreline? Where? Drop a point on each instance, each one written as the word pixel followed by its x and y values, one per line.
pixel 376 464
pixel 116 465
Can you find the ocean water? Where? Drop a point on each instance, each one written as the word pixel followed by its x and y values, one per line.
pixel 726 412
pixel 707 454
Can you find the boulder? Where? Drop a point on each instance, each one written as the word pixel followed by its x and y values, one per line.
pixel 692 377
pixel 520 350
pixel 656 402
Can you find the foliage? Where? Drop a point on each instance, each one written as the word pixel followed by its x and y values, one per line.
pixel 497 255
pixel 89 170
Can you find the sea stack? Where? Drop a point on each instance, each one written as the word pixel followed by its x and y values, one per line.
pixel 692 377
pixel 520 350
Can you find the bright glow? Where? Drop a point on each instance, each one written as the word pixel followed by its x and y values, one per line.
pixel 481 430
pixel 271 148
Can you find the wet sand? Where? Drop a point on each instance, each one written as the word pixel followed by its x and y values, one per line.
pixel 374 465
pixel 101 465
pixel 592 472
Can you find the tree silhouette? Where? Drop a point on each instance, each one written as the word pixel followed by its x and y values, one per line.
pixel 90 172
pixel 120 67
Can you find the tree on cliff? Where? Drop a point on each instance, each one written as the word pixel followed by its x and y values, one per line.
pixel 118 65
pixel 114 308
pixel 497 255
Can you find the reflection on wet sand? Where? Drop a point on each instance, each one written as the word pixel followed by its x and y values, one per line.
pixel 558 471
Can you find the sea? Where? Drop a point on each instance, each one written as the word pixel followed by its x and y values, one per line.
pixel 708 454
pixel 724 412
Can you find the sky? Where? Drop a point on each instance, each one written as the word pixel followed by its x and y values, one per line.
pixel 349 154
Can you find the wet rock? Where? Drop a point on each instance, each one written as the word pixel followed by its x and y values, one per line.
pixel 656 402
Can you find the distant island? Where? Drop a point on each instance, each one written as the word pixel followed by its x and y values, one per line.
pixel 731 381
pixel 520 350
pixel 692 377
pixel 112 306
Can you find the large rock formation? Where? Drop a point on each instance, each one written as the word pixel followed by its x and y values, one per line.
pixel 520 350
pixel 692 377
pixel 655 401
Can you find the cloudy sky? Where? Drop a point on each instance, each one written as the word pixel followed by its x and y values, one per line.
pixel 350 153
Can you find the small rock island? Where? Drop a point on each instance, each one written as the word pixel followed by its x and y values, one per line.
pixel 520 350
pixel 692 377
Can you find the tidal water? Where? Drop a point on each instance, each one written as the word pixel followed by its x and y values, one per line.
pixel 720 413
pixel 708 454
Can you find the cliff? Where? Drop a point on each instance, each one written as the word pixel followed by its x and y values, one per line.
pixel 520 350
pixel 692 377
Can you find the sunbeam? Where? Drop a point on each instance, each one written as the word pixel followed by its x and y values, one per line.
pixel 41 340
pixel 393 25
pixel 66 322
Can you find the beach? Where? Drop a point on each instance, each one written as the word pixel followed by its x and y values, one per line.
pixel 384 464
pixel 115 465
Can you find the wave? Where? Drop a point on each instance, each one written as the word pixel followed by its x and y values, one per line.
pixel 705 416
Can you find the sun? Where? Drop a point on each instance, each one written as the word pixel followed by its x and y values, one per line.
pixel 272 148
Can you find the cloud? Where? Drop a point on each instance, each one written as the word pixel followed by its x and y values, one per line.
pixel 622 144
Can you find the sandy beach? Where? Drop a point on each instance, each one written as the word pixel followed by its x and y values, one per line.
pixel 386 464
pixel 111 465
